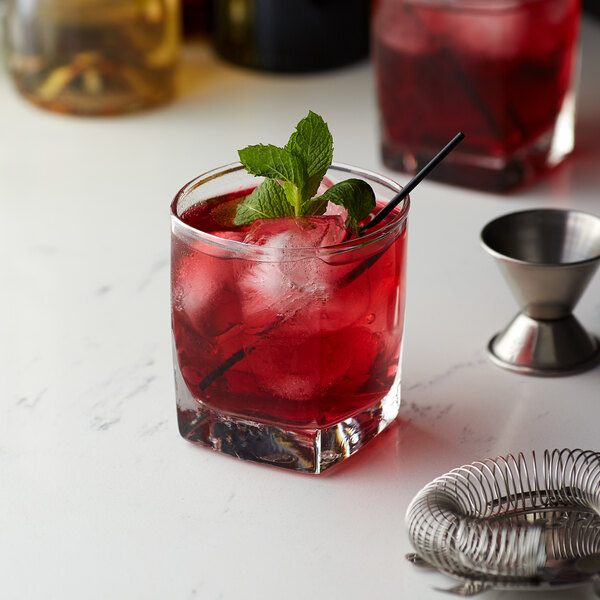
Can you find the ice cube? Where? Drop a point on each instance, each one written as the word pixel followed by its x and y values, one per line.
pixel 339 307
pixel 325 184
pixel 284 282
pixel 336 209
pixel 204 293
pixel 487 35
pixel 303 232
pixel 264 292
pixel 408 30
pixel 305 291
pixel 305 368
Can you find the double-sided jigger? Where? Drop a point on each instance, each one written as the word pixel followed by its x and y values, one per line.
pixel 548 257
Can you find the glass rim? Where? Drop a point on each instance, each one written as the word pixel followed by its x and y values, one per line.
pixel 400 214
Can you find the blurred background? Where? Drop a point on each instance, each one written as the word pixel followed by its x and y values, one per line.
pixel 505 73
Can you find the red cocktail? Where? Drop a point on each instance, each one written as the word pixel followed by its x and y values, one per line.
pixel 501 71
pixel 287 332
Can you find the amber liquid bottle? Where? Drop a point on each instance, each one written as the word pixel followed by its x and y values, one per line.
pixel 93 57
pixel 292 35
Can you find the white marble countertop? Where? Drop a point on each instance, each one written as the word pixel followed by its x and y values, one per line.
pixel 99 495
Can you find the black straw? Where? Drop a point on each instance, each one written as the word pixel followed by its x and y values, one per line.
pixel 412 184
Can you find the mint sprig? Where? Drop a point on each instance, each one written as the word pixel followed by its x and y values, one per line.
pixel 293 175
pixel 266 201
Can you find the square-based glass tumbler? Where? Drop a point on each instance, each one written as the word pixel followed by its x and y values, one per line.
pixel 502 71
pixel 285 356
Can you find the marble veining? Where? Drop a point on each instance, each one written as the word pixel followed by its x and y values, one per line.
pixel 103 290
pixel 30 402
pixel 151 430
pixel 114 394
pixel 425 412
pixel 450 371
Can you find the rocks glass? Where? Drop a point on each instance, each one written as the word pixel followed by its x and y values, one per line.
pixel 288 356
pixel 501 71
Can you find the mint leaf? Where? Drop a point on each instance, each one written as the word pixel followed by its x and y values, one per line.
pixel 355 195
pixel 266 201
pixel 316 206
pixel 274 163
pixel 312 142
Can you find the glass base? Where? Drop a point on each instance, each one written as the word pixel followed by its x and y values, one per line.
pixel 307 450
pixel 76 102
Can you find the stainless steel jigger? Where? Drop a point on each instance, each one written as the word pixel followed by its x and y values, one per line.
pixel 548 257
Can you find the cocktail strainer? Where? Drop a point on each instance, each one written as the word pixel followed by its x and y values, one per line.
pixel 509 523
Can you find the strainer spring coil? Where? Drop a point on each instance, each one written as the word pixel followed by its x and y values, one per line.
pixel 489 520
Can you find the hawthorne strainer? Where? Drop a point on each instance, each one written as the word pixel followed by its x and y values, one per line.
pixel 512 523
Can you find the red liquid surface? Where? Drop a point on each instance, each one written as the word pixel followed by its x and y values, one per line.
pixel 500 76
pixel 304 343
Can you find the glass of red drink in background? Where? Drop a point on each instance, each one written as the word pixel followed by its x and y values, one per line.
pixel 287 350
pixel 501 71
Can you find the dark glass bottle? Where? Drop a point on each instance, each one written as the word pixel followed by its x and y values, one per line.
pixel 196 17
pixel 592 7
pixel 292 35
